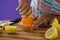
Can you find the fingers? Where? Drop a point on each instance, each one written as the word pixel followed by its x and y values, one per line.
pixel 20 6
pixel 24 11
pixel 35 26
pixel 29 12
pixel 37 23
pixel 41 21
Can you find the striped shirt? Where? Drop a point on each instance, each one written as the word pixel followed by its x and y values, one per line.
pixel 56 7
pixel 45 6
pixel 34 8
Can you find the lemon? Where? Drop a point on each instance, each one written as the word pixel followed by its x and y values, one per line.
pixel 51 33
pixel 56 24
pixel 30 15
pixel 10 29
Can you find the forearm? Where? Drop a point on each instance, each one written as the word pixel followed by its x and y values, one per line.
pixel 23 1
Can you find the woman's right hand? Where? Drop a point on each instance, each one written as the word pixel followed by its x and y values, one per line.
pixel 24 7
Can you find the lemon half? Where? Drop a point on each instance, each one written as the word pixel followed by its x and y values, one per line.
pixel 51 33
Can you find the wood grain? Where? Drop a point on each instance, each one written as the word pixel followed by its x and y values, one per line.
pixel 21 35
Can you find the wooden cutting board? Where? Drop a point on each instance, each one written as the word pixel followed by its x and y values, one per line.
pixel 21 35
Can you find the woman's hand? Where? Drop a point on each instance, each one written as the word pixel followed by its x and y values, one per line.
pixel 44 20
pixel 24 7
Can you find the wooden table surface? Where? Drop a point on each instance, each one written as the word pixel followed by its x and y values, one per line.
pixel 21 35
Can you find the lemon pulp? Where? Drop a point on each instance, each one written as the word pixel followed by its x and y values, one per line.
pixel 51 33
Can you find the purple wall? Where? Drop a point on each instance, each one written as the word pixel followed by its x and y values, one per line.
pixel 8 9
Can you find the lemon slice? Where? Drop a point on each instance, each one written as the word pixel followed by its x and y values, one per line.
pixel 51 33
pixel 10 29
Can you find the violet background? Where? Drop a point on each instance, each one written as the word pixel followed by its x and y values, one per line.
pixel 8 9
